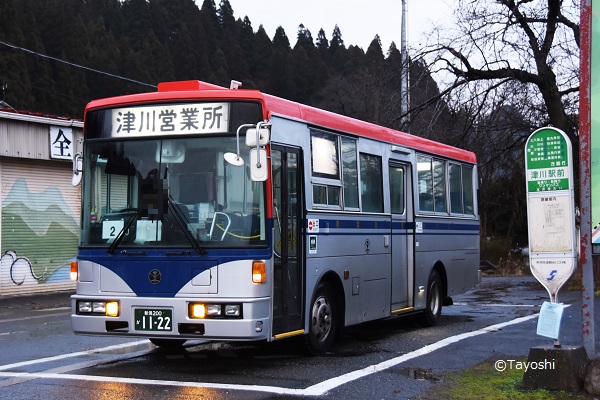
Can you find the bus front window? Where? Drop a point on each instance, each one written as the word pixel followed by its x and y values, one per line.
pixel 173 193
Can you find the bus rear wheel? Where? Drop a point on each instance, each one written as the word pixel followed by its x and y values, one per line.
pixel 433 307
pixel 323 320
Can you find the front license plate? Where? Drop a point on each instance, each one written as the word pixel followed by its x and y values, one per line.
pixel 153 320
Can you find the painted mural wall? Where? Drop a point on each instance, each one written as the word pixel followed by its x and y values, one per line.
pixel 39 228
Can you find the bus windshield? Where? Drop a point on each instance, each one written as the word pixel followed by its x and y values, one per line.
pixel 175 192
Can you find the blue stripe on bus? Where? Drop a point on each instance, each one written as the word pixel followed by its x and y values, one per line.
pixel 360 227
pixel 450 226
pixel 176 271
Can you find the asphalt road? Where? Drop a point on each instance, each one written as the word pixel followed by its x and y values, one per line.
pixel 393 359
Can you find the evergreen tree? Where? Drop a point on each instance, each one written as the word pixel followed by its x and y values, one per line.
pixel 374 52
pixel 322 42
pixel 337 51
pixel 225 14
pixel 160 40
pixel 15 85
pixel 303 74
pixel 304 39
pixel 281 41
pixel 209 20
pixel 235 58
pixel 280 74
pixel 336 39
pixel 261 59
pixel 187 59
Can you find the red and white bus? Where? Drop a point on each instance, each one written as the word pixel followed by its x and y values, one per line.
pixel 229 214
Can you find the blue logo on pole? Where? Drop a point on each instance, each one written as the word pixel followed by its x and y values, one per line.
pixel 552 275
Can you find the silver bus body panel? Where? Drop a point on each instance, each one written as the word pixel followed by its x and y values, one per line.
pixel 372 291
pixel 367 290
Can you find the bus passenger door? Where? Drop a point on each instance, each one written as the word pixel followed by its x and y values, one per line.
pixel 287 240
pixel 402 258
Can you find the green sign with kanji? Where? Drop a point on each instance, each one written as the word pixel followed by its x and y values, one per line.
pixel 547 161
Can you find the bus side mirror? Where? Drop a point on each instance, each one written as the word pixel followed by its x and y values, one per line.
pixel 258 165
pixel 257 136
pixel 77 169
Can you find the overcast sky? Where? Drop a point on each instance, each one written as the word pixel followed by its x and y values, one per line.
pixel 359 20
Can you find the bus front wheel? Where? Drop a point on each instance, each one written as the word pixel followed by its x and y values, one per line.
pixel 323 320
pixel 433 307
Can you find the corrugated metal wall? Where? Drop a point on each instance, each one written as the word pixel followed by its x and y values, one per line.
pixel 24 139
pixel 39 225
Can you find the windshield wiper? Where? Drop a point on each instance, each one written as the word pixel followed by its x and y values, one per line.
pixel 133 217
pixel 182 222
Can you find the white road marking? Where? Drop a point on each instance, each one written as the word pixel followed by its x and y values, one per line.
pixel 53 309
pixel 497 305
pixel 94 378
pixel 70 355
pixel 325 386
pixel 318 389
pixel 33 317
pixel 70 367
pixel 11 333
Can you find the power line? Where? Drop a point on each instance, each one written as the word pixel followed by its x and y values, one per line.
pixel 75 65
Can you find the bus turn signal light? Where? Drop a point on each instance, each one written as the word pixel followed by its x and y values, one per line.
pixel 112 308
pixel 74 270
pixel 259 272
pixel 198 310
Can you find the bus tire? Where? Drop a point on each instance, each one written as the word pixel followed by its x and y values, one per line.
pixel 433 306
pixel 168 343
pixel 323 321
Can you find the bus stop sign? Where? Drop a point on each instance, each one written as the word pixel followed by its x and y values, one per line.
pixel 550 208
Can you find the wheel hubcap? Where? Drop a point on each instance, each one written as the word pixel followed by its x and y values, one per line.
pixel 321 318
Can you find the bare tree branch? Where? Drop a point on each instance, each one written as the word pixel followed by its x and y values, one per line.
pixel 524 41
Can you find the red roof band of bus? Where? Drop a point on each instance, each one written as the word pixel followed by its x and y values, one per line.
pixel 272 105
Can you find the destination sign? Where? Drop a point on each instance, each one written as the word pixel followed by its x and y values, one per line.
pixel 175 119
pixel 547 161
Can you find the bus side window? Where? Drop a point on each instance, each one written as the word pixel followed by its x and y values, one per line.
pixel 467 175
pixel 456 203
pixel 371 183
pixel 397 189
pixel 425 178
pixel 461 189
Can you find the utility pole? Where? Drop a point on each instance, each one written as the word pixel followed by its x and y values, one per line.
pixel 404 91
pixel 587 134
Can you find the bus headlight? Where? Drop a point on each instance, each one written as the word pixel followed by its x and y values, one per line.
pixel 216 311
pixel 84 307
pixel 107 308
pixel 99 307
pixel 213 310
pixel 232 310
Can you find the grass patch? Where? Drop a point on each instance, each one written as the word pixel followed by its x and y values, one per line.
pixel 483 382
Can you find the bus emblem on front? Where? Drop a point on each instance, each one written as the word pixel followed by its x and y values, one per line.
pixel 154 277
